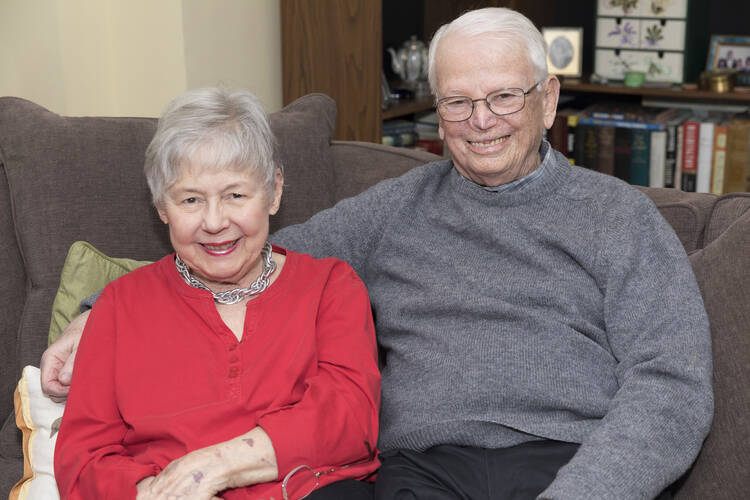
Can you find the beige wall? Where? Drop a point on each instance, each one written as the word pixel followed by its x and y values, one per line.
pixel 130 57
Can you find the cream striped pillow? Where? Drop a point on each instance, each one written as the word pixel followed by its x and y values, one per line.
pixel 38 417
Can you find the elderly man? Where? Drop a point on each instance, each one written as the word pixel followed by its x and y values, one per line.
pixel 542 329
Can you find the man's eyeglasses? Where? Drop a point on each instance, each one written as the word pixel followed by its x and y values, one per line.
pixel 501 102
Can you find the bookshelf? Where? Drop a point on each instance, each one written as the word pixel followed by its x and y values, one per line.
pixel 337 47
pixel 674 93
pixel 408 107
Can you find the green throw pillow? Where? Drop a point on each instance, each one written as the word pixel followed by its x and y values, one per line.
pixel 85 272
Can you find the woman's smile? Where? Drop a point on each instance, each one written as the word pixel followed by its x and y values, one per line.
pixel 222 248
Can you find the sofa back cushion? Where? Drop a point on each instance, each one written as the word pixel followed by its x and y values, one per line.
pixel 722 269
pixel 688 213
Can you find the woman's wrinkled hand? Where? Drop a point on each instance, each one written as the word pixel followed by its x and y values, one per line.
pixel 199 475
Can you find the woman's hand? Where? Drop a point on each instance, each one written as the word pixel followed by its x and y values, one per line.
pixel 144 494
pixel 201 474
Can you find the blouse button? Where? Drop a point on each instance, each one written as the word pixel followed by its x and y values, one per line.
pixel 233 372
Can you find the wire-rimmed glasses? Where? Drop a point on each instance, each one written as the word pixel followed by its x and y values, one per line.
pixel 500 102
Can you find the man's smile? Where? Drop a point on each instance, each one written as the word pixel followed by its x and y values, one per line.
pixel 489 142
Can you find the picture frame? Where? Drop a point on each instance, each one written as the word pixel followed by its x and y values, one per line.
pixel 730 52
pixel 565 47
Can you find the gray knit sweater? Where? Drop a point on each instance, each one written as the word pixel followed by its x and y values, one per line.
pixel 565 310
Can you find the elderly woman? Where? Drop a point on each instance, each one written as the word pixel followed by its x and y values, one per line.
pixel 231 367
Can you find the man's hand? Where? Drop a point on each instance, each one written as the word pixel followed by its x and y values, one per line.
pixel 57 360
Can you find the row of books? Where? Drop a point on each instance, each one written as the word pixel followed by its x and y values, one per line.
pixel 705 152
pixel 420 133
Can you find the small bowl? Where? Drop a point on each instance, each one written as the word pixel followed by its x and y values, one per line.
pixel 634 78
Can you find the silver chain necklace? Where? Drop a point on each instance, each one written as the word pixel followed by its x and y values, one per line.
pixel 233 296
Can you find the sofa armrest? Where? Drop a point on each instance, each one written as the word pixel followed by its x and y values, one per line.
pixel 359 165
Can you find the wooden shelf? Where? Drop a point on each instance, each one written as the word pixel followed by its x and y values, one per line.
pixel 671 93
pixel 408 106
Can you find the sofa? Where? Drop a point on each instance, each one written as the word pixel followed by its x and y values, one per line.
pixel 64 179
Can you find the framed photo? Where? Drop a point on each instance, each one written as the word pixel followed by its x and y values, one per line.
pixel 730 52
pixel 564 50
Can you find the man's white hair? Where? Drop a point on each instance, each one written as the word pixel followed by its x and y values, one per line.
pixel 510 29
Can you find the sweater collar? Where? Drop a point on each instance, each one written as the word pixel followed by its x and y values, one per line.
pixel 550 174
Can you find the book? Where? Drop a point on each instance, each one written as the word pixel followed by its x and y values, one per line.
pixel 673 152
pixel 622 153
pixel 657 158
pixel 605 153
pixel 404 139
pixel 572 125
pixel 705 157
pixel 590 147
pixel 582 134
pixel 691 130
pixel 557 135
pixel 678 156
pixel 738 155
pixel 639 157
pixel 397 126
pixel 720 157
pixel 426 126
pixel 637 117
pixel 430 145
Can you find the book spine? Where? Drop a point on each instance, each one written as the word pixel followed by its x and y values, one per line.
pixel 605 161
pixel 406 139
pixel 705 157
pixel 590 148
pixel 639 157
pixel 690 155
pixel 431 145
pixel 720 158
pixel 622 153
pixel 678 156
pixel 558 134
pixel 572 125
pixel 670 158
pixel 738 156
pixel 657 159
pixel 603 122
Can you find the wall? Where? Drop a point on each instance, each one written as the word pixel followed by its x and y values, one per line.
pixel 130 57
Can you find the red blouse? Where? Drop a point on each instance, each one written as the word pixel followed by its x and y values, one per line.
pixel 158 374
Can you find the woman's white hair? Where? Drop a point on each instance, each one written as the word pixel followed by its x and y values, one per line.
pixel 510 29
pixel 218 127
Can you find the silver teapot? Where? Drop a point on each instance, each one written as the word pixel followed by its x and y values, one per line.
pixel 410 61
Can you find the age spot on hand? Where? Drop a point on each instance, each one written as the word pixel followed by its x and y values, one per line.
pixel 197 476
pixel 249 442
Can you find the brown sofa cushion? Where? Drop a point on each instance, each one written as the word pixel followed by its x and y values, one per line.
pixel 303 131
pixel 688 213
pixel 725 212
pixel 722 269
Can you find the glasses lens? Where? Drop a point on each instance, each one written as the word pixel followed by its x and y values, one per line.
pixel 455 108
pixel 505 101
pixel 299 483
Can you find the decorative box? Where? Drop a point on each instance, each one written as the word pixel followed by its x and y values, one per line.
pixel 641 35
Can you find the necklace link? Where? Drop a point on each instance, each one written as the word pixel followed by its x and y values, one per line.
pixel 237 294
